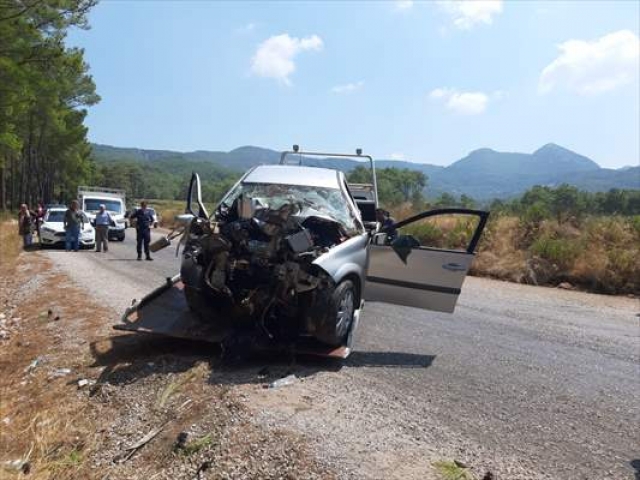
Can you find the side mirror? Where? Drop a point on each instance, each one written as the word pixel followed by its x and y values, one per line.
pixel 380 239
pixel 184 218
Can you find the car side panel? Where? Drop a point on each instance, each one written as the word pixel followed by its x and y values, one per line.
pixel 350 257
pixel 430 278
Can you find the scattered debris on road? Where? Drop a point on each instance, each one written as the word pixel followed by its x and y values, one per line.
pixel 32 366
pixel 283 382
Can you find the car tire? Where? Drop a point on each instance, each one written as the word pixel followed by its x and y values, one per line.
pixel 339 314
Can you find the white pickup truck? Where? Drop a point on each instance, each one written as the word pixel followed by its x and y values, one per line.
pixel 113 199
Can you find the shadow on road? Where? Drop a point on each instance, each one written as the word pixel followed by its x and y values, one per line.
pixel 636 465
pixel 130 358
pixel 389 360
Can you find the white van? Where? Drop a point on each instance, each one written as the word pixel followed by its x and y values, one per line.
pixel 90 199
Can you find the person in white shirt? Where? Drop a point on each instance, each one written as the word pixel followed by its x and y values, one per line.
pixel 103 220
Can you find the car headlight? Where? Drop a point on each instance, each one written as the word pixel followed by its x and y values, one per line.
pixel 48 230
pixel 120 220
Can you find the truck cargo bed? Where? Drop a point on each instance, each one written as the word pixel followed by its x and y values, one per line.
pixel 165 312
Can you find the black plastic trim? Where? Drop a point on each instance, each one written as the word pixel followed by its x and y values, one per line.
pixel 414 285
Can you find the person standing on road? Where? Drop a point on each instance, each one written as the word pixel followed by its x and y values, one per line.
pixel 72 223
pixel 144 220
pixel 103 220
pixel 40 211
pixel 25 225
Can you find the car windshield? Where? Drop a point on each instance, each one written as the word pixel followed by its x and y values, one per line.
pixel 321 201
pixel 55 216
pixel 93 204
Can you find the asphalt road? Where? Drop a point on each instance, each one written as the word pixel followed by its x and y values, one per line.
pixel 526 382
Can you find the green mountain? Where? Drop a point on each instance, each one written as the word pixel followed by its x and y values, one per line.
pixel 483 174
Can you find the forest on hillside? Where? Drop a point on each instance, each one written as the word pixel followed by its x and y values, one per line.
pixel 45 88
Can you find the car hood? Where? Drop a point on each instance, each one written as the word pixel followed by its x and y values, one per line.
pixel 59 226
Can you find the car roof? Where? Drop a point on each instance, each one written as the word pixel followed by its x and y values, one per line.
pixel 294 175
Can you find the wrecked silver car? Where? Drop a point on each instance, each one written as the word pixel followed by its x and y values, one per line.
pixel 285 252
pixel 288 257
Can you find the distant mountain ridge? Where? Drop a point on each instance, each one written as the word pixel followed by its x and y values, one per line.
pixel 482 174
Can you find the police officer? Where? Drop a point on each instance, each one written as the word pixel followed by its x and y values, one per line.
pixel 144 220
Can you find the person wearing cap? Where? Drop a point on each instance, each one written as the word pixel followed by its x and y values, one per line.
pixel 103 220
pixel 143 220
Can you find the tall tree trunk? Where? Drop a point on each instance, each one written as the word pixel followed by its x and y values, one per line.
pixel 3 188
pixel 12 183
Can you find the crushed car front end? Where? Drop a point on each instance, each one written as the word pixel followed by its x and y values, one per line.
pixel 283 256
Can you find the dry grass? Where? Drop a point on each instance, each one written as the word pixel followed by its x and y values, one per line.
pixel 10 246
pixel 168 209
pixel 599 254
pixel 602 254
pixel 44 422
pixel 499 254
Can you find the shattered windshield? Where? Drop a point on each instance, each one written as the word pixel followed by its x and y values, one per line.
pixel 93 204
pixel 314 201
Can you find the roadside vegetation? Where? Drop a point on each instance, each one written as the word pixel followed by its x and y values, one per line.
pixel 549 236
pixel 45 87
pixel 163 178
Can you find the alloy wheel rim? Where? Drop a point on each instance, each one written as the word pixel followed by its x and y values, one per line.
pixel 345 313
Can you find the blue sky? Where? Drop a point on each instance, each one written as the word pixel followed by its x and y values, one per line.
pixel 427 82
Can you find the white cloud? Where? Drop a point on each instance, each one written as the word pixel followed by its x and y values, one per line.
pixel 397 156
pixel 440 92
pixel 464 103
pixel 348 88
pixel 591 67
pixel 466 14
pixel 404 4
pixel 274 57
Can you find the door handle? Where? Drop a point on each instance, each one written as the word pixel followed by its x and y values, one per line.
pixel 454 267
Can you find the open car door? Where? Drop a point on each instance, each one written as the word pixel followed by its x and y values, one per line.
pixel 423 260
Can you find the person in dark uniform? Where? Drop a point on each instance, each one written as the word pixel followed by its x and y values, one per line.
pixel 387 224
pixel 143 219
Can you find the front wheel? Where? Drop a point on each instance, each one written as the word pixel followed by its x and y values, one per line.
pixel 339 315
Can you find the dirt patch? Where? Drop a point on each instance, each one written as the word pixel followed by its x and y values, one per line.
pixel 81 402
